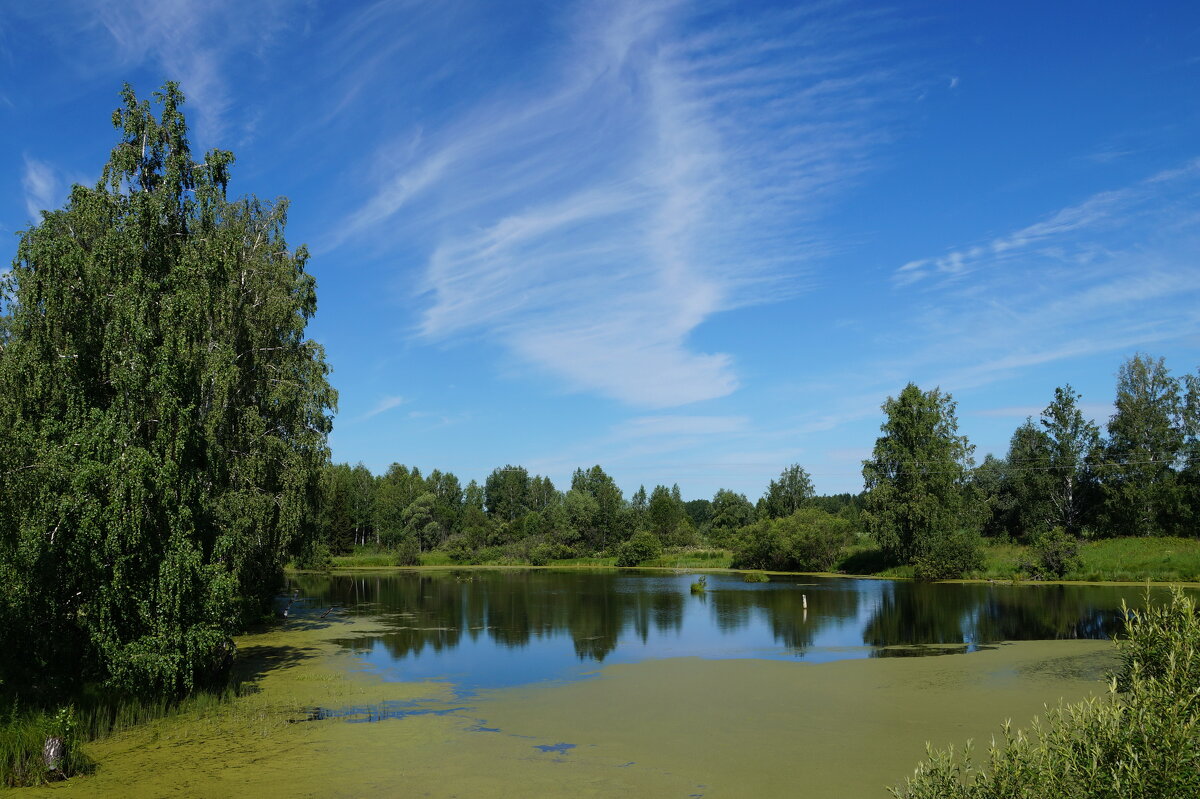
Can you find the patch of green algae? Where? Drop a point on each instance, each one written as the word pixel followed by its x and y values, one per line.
pixel 674 727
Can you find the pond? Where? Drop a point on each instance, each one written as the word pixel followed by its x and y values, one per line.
pixel 536 682
pixel 498 628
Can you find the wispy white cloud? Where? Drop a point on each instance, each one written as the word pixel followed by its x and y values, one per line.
pixel 41 185
pixel 1112 274
pixel 384 405
pixel 193 43
pixel 593 222
pixel 1099 212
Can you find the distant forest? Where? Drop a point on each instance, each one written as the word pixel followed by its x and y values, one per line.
pixel 926 501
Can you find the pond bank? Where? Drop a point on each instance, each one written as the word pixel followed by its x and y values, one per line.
pixel 679 726
pixel 470 684
pixel 1113 560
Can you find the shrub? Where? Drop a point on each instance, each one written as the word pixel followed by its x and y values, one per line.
pixel 1138 744
pixel 488 555
pixel 541 554
pixel 808 540
pixel 407 552
pixel 1054 555
pixel 458 548
pixel 315 557
pixel 949 556
pixel 641 547
pixel 755 577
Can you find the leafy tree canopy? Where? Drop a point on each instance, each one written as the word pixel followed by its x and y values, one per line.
pixel 164 418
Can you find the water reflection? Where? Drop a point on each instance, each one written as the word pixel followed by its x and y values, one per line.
pixel 488 628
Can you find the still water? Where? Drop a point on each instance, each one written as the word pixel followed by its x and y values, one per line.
pixel 543 683
pixel 498 628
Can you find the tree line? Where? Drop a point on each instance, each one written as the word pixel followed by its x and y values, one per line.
pixel 521 517
pixel 925 502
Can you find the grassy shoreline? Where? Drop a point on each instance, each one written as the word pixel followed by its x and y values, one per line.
pixel 1114 560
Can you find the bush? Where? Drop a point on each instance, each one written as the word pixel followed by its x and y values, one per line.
pixel 315 557
pixel 407 552
pixel 1054 555
pixel 808 540
pixel 949 556
pixel 488 555
pixel 541 554
pixel 755 577
pixel 641 547
pixel 1143 743
pixel 458 548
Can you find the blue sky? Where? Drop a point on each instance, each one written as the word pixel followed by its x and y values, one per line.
pixel 692 242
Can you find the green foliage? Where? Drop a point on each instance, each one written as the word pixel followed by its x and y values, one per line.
pixel 730 512
pixel 506 492
pixel 949 555
pixel 394 492
pixel 608 522
pixel 315 557
pixel 1142 743
pixel 1054 555
pixel 789 493
pixel 808 540
pixel 992 502
pixel 1073 440
pixel 164 419
pixel 699 511
pixel 1145 437
pixel 406 552
pixel 1030 482
pixel 23 737
pixel 458 548
pixel 916 476
pixel 420 522
pixel 664 513
pixel 641 547
pixel 755 577
pixel 541 554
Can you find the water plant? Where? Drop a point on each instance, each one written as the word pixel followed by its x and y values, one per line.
pixel 1141 740
pixel 700 586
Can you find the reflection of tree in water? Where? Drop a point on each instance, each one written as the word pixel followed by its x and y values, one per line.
pixel 435 611
pixel 792 625
pixel 514 607
pixel 920 613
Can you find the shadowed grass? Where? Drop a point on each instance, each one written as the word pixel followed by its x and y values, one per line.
pixel 1107 560
pixel 371 557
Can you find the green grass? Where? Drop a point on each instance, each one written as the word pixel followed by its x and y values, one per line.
pixel 96 715
pixel 681 558
pixel 1107 560
pixel 586 561
pixel 1135 560
pixel 22 736
pixel 1139 560
pixel 693 558
pixel 369 557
